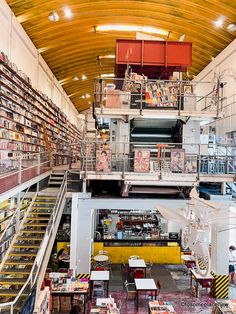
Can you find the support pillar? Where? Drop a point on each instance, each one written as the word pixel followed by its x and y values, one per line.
pixel 220 261
pixel 81 233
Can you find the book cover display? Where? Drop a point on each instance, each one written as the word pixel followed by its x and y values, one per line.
pixel 141 161
pixel 103 160
pixel 162 94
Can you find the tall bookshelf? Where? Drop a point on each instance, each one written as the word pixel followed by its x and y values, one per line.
pixel 23 110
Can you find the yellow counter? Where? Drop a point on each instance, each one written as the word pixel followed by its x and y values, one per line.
pixel 156 254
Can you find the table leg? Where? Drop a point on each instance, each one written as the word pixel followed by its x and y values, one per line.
pixel 137 300
pixel 107 288
pixel 197 288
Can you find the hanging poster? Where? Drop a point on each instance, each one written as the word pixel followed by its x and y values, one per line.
pixel 103 160
pixel 190 164
pixel 141 160
pixel 177 160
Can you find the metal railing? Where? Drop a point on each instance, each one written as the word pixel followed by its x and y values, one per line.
pixel 23 168
pixel 32 278
pixel 127 93
pixel 157 158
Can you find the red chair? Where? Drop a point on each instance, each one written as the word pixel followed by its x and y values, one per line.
pixel 139 273
pixel 206 283
pixel 99 268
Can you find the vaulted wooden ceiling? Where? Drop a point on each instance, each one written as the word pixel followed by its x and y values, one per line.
pixel 71 47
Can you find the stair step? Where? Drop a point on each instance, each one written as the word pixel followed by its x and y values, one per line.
pixel 6 281
pixel 11 292
pixel 30 237
pixel 44 203
pixel 46 197
pixel 38 218
pixel 31 231
pixel 41 208
pixel 23 253
pixel 56 178
pixel 18 262
pixel 35 225
pixel 37 212
pixel 26 245
pixel 23 271
pixel 54 182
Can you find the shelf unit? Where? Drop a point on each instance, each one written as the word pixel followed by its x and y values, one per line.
pixel 6 213
pixel 23 111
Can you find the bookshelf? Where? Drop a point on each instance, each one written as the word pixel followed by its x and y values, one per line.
pixel 7 210
pixel 23 112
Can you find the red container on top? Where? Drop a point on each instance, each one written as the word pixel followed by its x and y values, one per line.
pixel 152 56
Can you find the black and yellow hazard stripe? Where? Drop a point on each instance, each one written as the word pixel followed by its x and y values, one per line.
pixel 220 288
pixel 92 261
pixel 83 276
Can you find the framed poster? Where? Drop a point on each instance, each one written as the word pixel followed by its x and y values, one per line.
pixel 141 160
pixel 177 160
pixel 103 160
pixel 190 165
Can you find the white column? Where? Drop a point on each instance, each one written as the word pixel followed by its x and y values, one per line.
pixel 220 250
pixel 81 233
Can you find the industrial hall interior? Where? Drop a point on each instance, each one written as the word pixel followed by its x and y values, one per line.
pixel 117 157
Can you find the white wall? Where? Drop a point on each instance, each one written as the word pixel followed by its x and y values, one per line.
pixel 224 64
pixel 16 44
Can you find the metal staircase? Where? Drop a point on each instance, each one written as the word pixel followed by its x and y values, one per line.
pixel 56 179
pixel 27 256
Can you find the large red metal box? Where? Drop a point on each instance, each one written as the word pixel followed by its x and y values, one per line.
pixel 146 54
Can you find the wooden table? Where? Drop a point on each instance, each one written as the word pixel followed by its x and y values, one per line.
pixel 100 275
pixel 137 263
pixel 145 284
pixel 198 279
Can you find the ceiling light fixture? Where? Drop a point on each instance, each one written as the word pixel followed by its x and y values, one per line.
pixel 75 78
pixel 53 16
pixel 87 95
pixel 219 22
pixel 106 57
pixel 108 75
pixel 231 27
pixel 130 28
pixel 182 38
pixel 67 12
pixel 83 97
pixel 84 77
